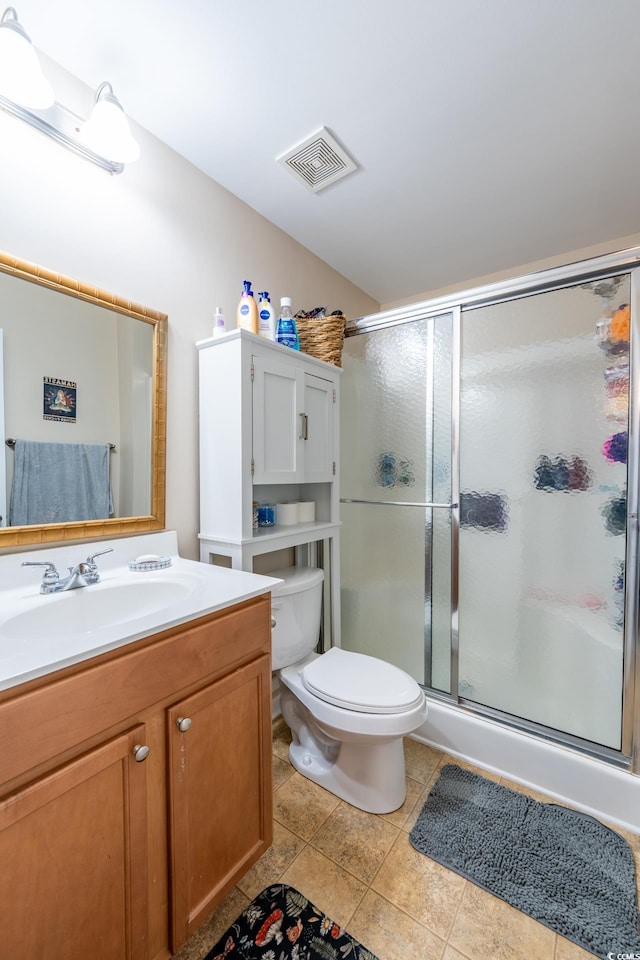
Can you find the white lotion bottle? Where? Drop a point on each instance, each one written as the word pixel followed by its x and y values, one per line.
pixel 247 312
pixel 266 317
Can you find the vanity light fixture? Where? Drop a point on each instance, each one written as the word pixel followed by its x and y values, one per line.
pixel 104 139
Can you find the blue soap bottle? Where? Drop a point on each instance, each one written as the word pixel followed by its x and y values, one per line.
pixel 286 329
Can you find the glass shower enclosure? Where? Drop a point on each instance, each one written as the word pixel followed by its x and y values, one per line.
pixel 489 525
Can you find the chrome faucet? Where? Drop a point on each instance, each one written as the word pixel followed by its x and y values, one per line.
pixel 85 574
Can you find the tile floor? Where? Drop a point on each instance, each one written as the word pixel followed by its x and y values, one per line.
pixel 361 870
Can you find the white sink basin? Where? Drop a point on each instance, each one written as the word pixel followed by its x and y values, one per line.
pixel 40 633
pixel 90 608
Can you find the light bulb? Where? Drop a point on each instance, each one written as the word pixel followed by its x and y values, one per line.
pixel 21 77
pixel 107 132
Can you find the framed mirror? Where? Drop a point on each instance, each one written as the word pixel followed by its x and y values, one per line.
pixel 83 375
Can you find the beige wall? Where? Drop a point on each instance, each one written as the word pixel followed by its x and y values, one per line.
pixel 163 235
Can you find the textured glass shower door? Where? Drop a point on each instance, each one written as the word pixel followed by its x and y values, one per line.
pixel 484 485
pixel 396 490
pixel 543 452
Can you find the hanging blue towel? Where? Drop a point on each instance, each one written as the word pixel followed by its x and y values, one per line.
pixel 60 483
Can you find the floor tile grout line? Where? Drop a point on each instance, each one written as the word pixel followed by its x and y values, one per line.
pixel 384 860
pixel 306 840
pixel 367 883
pixel 356 908
pixel 410 916
pixel 406 913
pixel 289 865
pixel 455 916
pixel 291 828
pixel 362 882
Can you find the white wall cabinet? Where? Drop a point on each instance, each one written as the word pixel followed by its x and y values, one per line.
pixel 292 423
pixel 269 421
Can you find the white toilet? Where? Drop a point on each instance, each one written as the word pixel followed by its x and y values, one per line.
pixel 347 712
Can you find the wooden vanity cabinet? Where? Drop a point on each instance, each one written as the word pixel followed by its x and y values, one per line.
pixel 108 852
pixel 217 805
pixel 73 860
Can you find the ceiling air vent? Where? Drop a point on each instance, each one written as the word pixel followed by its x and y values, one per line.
pixel 318 161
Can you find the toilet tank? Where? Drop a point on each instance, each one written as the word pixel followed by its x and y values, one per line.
pixel 295 606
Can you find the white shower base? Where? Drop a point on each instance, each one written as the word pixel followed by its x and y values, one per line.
pixel 568 777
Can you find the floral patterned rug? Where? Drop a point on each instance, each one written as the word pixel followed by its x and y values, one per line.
pixel 281 924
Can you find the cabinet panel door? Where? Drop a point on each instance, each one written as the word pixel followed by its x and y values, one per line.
pixel 220 790
pixel 318 449
pixel 73 849
pixel 278 444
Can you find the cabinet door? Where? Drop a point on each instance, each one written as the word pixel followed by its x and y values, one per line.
pixel 278 444
pixel 318 408
pixel 73 850
pixel 220 783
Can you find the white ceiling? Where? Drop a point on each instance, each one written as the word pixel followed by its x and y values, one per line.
pixel 489 133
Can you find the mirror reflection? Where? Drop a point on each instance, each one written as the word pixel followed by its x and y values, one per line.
pixel 82 430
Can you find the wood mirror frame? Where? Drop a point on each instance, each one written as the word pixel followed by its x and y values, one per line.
pixel 116 526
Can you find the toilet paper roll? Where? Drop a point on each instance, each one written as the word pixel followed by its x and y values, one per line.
pixel 286 514
pixel 306 511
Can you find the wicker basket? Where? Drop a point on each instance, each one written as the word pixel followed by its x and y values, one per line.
pixel 322 338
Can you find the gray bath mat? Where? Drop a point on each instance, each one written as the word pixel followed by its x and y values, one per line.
pixel 563 868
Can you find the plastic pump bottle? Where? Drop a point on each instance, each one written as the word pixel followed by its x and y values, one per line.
pixel 286 330
pixel 219 326
pixel 247 314
pixel 266 317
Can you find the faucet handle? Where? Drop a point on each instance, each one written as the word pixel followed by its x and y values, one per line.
pixel 89 569
pixel 50 575
pixel 93 556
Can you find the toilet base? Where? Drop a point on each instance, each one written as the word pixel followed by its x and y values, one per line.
pixel 358 756
pixel 371 777
pixel 367 772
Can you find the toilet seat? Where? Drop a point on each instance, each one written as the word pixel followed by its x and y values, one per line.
pixel 357 682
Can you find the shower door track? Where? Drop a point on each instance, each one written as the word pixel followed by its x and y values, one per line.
pixel 598 751
pixel 553 279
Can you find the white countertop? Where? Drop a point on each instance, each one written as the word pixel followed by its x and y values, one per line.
pixel 128 605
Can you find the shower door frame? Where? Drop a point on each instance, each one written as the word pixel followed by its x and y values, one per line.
pixel 451 506
pixel 626 261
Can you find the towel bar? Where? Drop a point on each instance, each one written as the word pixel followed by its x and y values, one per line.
pixel 10 442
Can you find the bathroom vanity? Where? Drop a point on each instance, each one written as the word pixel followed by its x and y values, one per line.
pixel 136 780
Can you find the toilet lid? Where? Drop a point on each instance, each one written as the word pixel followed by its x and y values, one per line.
pixel 358 682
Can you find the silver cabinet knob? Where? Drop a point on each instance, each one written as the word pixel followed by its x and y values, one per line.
pixel 141 752
pixel 183 724
pixel 273 622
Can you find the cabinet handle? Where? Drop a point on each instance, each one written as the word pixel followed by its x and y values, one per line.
pixel 183 724
pixel 273 622
pixel 304 426
pixel 140 752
